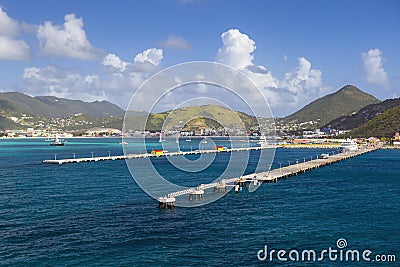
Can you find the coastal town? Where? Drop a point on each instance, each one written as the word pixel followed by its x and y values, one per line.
pixel 285 134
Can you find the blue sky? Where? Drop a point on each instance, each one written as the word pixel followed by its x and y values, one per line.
pixel 295 51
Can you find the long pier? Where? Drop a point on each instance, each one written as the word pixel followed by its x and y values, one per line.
pixel 148 155
pixel 256 178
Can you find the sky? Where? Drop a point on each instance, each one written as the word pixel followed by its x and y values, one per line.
pixel 294 51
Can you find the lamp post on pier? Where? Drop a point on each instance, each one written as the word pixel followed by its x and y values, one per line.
pixel 92 154
pixel 280 167
pixel 109 154
pixel 73 155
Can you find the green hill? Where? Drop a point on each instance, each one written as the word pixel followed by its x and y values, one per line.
pixel 383 125
pixel 347 100
pixel 39 112
pixel 14 103
pixel 192 118
pixel 365 114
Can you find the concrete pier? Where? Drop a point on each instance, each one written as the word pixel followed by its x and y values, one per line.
pixel 148 155
pixel 275 174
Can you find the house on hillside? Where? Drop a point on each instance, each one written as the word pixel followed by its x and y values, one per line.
pixel 396 139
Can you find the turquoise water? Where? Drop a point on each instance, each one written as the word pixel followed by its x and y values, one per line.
pixel 94 214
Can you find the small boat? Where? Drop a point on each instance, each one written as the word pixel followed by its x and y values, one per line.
pixel 189 139
pixel 204 141
pixel 324 156
pixel 57 142
pixel 162 139
pixel 123 143
pixel 263 141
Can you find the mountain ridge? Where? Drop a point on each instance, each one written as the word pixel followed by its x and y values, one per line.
pixel 50 106
pixel 364 115
pixel 382 125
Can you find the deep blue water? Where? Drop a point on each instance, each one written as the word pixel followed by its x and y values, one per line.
pixel 94 214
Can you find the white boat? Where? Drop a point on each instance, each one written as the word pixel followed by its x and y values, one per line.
pixel 324 156
pixel 349 145
pixel 123 143
pixel 162 139
pixel 57 142
pixel 263 140
pixel 204 141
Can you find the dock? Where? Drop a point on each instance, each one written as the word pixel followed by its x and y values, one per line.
pixel 262 177
pixel 149 155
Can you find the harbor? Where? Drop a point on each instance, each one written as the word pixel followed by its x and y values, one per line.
pixel 253 180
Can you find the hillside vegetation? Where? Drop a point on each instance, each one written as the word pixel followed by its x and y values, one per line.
pixel 383 125
pixel 192 118
pixel 363 115
pixel 347 100
pixel 16 104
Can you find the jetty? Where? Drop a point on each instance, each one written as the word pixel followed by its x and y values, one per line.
pixel 148 155
pixel 197 193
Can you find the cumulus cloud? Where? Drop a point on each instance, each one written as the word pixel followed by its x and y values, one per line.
pixel 237 49
pixel 303 79
pixel 372 65
pixel 116 82
pixel 8 26
pixel 115 62
pixel 61 83
pixel 11 48
pixel 152 55
pixel 67 40
pixel 174 41
pixel 146 61
pixel 296 88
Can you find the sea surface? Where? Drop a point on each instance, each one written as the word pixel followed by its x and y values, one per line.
pixel 94 214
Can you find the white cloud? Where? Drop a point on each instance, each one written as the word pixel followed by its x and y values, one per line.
pixel 174 41
pixel 296 88
pixel 303 79
pixel 115 62
pixel 152 55
pixel 237 49
pixel 8 26
pixel 11 48
pixel 60 83
pixel 372 65
pixel 92 79
pixel 66 40
pixel 116 83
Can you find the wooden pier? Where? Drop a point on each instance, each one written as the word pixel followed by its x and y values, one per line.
pixel 271 175
pixel 149 155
